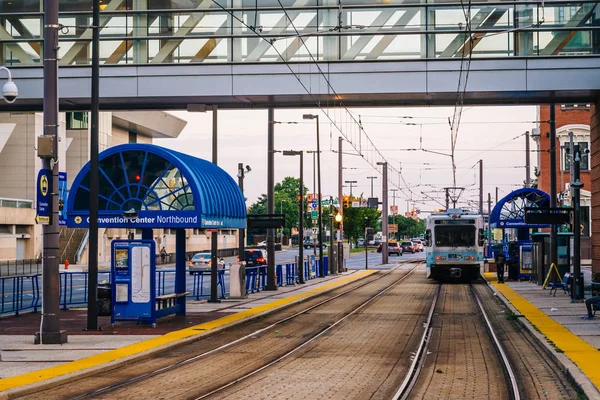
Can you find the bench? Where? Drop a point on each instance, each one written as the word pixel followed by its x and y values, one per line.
pixel 564 284
pixel 595 307
pixel 169 300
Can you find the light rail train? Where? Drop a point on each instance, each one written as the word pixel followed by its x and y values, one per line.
pixel 455 243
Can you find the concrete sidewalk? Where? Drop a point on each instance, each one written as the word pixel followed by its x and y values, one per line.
pixel 23 363
pixel 573 342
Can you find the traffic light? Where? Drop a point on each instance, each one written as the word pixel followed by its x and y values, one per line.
pixel 346 201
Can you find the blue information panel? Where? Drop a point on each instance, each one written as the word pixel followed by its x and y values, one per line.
pixel 43 197
pixel 62 198
pixel 133 270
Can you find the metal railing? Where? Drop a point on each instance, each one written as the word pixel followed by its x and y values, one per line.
pixel 82 245
pixel 22 293
pixel 20 267
pixel 210 34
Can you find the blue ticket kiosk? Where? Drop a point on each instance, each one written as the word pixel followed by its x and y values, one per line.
pixel 133 276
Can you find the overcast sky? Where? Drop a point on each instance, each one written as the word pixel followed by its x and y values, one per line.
pixel 486 133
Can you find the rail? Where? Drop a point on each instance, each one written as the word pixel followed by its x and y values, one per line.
pixel 20 267
pixel 211 34
pixel 82 245
pixel 22 292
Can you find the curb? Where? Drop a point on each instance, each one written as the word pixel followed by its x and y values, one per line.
pixel 569 368
pixel 111 365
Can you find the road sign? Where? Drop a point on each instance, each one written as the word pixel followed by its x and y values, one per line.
pixel 356 204
pixel 313 205
pixel 392 228
pixel 43 197
pixel 314 214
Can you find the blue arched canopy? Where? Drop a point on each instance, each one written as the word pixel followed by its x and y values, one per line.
pixel 509 212
pixel 167 188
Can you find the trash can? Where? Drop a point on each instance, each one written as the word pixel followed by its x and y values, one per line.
pixel 237 281
pixel 103 305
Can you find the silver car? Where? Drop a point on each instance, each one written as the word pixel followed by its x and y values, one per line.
pixel 202 262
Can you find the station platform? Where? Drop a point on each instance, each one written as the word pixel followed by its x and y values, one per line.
pixel 557 322
pixel 24 364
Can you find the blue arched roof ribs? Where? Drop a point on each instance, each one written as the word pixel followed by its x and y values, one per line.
pixel 510 210
pixel 217 199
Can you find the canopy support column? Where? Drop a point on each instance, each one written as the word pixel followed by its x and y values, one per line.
pixel 180 261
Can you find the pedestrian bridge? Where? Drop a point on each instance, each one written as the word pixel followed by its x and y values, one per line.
pixel 246 53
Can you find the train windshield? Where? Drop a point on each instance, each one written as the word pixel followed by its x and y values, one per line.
pixel 455 236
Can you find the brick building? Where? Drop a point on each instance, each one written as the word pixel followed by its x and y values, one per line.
pixel 576 119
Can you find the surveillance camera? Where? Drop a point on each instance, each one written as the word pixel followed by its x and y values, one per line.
pixel 130 214
pixel 248 169
pixel 587 151
pixel 10 92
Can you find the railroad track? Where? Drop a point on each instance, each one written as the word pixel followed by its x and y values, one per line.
pixel 414 374
pixel 310 339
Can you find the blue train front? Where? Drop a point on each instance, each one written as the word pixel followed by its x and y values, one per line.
pixel 455 243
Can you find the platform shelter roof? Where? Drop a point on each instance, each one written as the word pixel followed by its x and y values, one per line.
pixel 509 212
pixel 160 187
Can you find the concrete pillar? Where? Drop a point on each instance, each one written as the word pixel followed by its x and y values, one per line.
pixel 595 167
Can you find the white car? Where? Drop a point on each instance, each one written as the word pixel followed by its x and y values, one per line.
pixel 263 243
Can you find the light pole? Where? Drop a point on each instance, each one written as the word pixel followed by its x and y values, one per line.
pixel 9 90
pixel 576 295
pixel 340 258
pixel 384 214
pixel 300 263
pixel 371 178
pixel 242 232
pixel 320 236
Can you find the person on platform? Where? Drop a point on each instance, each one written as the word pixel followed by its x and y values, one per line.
pixel 588 304
pixel 163 255
pixel 500 261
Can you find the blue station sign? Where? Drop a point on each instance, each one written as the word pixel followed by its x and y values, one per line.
pixel 152 219
pixel 43 210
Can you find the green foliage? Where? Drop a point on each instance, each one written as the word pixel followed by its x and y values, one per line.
pixel 286 202
pixel 407 227
pixel 354 221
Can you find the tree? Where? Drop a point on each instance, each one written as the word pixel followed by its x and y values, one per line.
pixel 286 202
pixel 354 221
pixel 408 227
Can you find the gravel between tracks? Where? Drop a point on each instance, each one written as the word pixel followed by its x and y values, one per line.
pixel 366 356
pixel 462 362
pixel 539 377
pixel 214 370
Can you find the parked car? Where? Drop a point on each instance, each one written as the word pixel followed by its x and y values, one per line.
pixel 263 243
pixel 360 242
pixel 202 262
pixel 308 244
pixel 255 257
pixel 408 247
pixel 393 248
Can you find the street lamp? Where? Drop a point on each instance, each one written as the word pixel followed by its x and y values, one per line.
pixel 9 90
pixel 316 117
pixel 242 232
pixel 300 263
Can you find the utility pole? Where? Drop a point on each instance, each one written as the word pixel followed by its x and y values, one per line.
pixel 271 284
pixel 366 243
pixel 489 224
pixel 496 194
pixel 301 222
pixel 351 183
pixel 481 187
pixel 214 239
pixel 371 178
pixel 553 232
pixel 576 295
pixel 447 198
pixel 50 327
pixel 340 194
pixel 92 309
pixel 528 162
pixel 242 232
pixel 384 213
pixel 314 153
pixel 320 236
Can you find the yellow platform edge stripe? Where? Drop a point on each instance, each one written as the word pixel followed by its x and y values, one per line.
pixel 585 356
pixel 136 348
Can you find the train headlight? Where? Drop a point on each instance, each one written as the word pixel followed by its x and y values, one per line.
pixel 470 258
pixel 438 258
